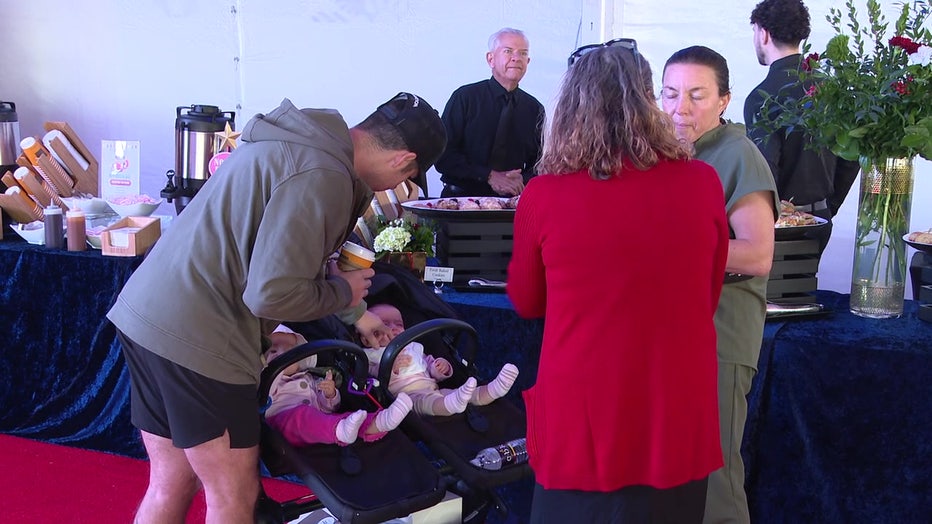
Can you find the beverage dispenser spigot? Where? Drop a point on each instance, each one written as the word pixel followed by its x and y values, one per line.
pixel 196 145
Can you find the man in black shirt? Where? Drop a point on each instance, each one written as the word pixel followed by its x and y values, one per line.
pixel 815 180
pixel 493 127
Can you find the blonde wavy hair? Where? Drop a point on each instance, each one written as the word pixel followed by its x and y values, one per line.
pixel 607 116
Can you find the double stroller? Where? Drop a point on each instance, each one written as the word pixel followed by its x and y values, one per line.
pixel 410 468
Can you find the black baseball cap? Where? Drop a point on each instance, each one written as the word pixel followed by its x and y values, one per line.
pixel 421 129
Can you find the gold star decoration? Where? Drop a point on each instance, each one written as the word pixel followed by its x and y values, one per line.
pixel 227 138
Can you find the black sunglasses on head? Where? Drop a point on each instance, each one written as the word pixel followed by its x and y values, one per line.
pixel 393 112
pixel 626 43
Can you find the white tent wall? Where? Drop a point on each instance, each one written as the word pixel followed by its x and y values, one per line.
pixel 118 69
pixel 725 26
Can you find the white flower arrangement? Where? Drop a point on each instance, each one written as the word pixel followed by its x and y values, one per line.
pixel 922 57
pixel 407 233
pixel 394 237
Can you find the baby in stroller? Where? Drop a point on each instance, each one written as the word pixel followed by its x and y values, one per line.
pixel 416 374
pixel 303 404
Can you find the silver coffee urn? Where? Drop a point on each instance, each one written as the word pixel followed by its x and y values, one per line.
pixel 198 141
pixel 9 137
pixel 9 150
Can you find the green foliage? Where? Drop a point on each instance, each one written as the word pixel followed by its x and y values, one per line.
pixel 869 94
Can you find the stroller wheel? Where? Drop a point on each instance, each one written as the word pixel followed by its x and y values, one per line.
pixel 475 508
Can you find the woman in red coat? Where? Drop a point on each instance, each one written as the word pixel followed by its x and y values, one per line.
pixel 621 247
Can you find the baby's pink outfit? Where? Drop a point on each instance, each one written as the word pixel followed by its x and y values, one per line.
pixel 304 415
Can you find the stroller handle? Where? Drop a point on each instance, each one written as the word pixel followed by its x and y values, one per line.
pixel 414 333
pixel 299 353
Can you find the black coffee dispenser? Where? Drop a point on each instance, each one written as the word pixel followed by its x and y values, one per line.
pixel 197 142
pixel 9 137
pixel 9 150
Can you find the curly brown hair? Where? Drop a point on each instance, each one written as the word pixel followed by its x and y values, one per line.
pixel 605 116
pixel 787 21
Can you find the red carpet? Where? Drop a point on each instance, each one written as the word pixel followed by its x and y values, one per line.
pixel 49 484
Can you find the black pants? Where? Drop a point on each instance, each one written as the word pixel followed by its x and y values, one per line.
pixel 683 504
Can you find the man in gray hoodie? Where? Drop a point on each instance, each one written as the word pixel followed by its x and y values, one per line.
pixel 249 252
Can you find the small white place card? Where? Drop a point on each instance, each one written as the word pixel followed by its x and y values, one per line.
pixel 438 274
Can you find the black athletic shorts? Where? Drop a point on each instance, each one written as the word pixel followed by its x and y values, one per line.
pixel 174 402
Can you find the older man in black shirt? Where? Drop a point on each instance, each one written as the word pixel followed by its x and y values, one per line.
pixel 815 180
pixel 493 127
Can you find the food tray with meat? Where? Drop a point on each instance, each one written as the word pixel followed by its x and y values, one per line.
pixel 782 231
pixel 794 224
pixel 920 240
pixel 465 208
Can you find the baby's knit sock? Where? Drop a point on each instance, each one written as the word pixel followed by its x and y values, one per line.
pixel 348 428
pixel 498 388
pixel 456 401
pixel 391 417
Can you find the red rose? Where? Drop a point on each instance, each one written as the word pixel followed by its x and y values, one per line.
pixel 900 87
pixel 810 62
pixel 905 43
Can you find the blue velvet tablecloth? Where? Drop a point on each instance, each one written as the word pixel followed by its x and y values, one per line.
pixel 840 420
pixel 62 375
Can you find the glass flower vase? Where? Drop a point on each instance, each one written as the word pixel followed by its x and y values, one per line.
pixel 415 261
pixel 878 278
